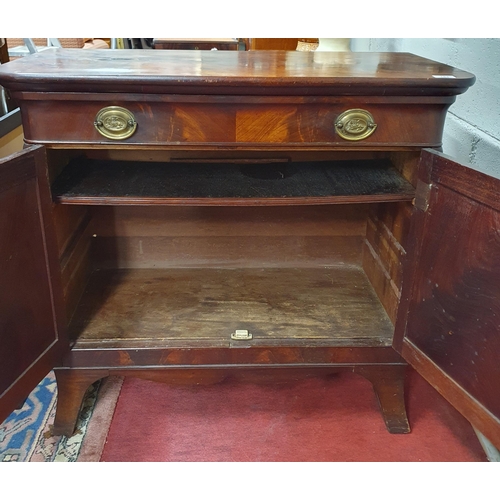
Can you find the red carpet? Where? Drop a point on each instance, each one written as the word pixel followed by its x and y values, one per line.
pixel 322 420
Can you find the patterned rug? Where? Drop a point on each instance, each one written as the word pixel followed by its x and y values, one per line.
pixel 26 434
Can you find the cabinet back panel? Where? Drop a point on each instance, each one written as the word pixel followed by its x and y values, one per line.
pixel 128 237
pixel 334 220
pixel 223 252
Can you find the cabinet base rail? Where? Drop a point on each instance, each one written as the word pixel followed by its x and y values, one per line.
pixel 387 382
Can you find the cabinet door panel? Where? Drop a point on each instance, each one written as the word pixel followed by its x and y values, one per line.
pixel 449 325
pixel 30 292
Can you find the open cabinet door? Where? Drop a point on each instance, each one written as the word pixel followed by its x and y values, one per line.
pixel 448 327
pixel 31 333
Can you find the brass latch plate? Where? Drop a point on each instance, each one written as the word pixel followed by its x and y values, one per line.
pixel 241 335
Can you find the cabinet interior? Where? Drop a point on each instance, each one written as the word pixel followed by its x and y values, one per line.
pixel 150 254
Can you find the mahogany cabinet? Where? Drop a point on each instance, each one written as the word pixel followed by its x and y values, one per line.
pixel 187 216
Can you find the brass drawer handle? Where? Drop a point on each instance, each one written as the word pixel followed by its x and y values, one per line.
pixel 115 123
pixel 355 124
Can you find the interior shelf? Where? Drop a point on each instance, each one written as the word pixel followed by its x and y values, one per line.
pixel 332 306
pixel 97 182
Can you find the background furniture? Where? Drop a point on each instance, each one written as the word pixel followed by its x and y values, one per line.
pixel 272 43
pixel 198 44
pixel 20 47
pixel 4 57
pixel 10 116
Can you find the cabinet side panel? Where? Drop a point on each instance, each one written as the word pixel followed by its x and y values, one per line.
pixel 383 252
pixel 73 232
pixel 385 244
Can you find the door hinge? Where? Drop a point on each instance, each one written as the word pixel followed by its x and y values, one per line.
pixel 422 196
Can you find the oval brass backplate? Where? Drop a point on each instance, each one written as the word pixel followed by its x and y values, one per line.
pixel 115 123
pixel 355 125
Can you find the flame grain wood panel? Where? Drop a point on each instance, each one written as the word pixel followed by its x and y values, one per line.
pixel 242 123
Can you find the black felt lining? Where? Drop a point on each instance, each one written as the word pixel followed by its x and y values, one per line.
pixel 222 180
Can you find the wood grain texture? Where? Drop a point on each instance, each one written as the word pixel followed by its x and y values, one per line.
pixel 185 221
pixel 234 72
pixel 387 238
pixel 246 122
pixel 67 221
pixel 173 236
pixel 225 251
pixel 387 380
pixel 32 330
pixel 251 100
pixel 76 266
pixel 384 251
pixel 452 294
pixel 455 313
pixel 335 305
pixel 152 356
pixel 476 413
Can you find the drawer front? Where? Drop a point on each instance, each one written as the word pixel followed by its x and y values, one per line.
pixel 242 124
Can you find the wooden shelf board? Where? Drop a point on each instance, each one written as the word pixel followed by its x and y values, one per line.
pixel 331 306
pixel 96 182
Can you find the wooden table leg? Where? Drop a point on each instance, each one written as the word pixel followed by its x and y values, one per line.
pixel 71 387
pixel 388 384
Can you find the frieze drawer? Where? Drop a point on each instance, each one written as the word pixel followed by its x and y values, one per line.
pixel 212 121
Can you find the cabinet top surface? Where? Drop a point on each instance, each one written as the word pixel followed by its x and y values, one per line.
pixel 241 72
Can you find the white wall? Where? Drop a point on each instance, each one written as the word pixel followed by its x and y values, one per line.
pixel 472 129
